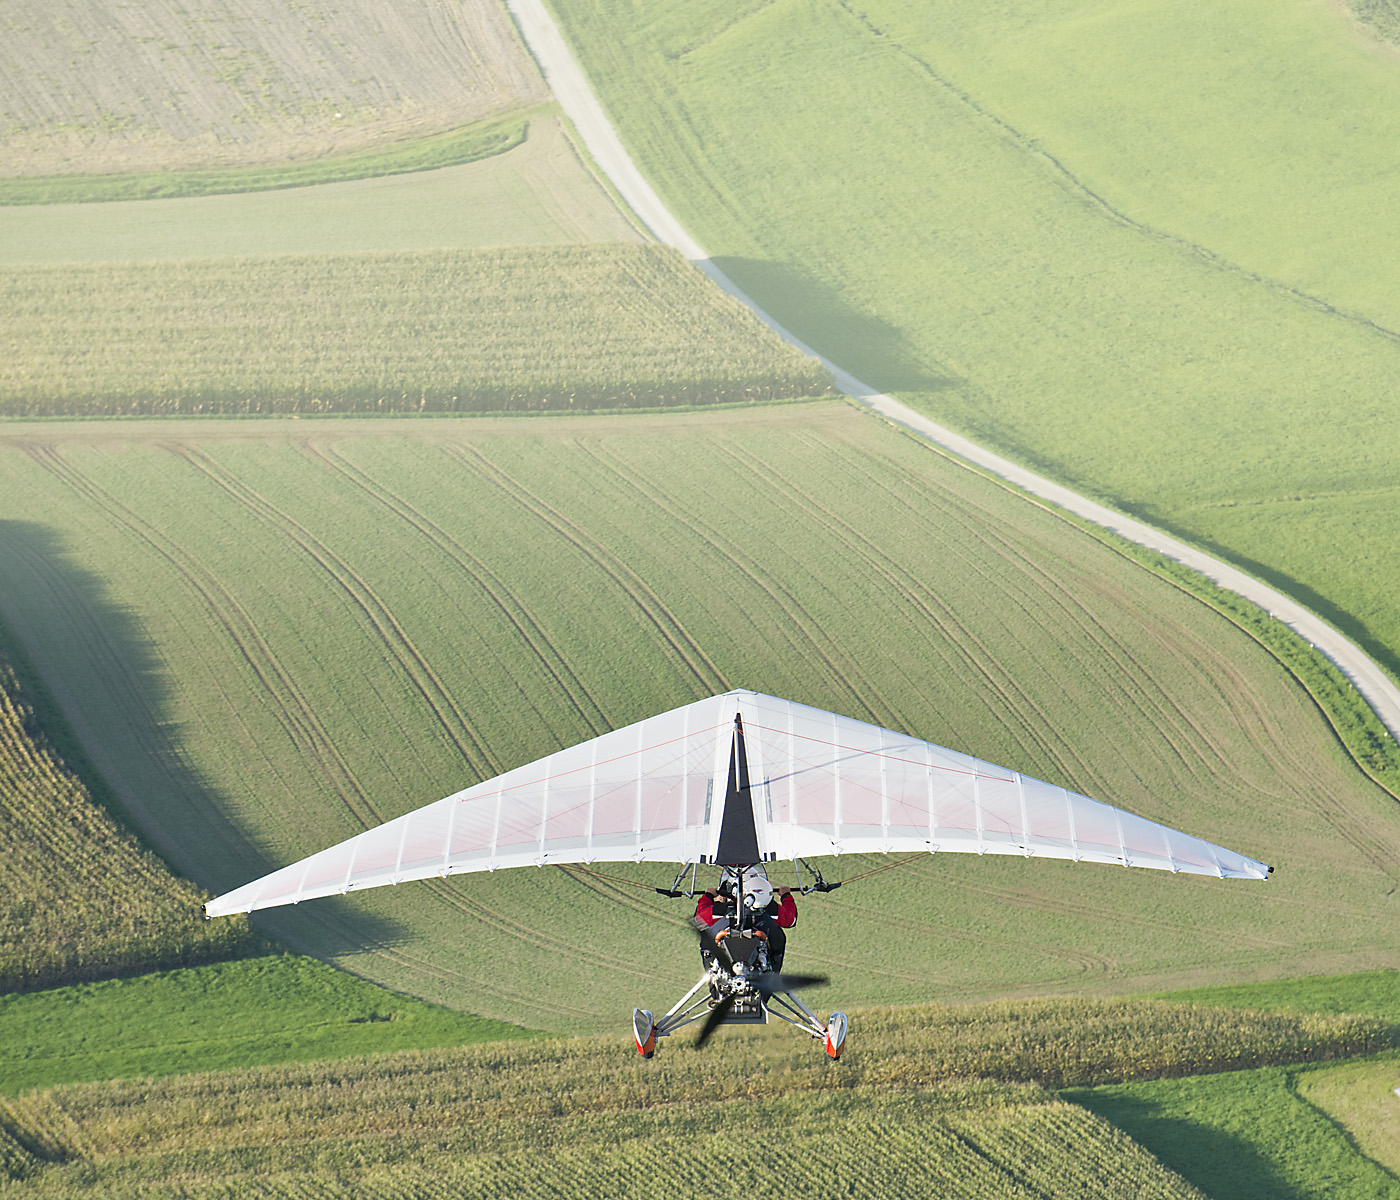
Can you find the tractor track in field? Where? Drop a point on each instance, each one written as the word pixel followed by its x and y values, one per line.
pixel 294 712
pixel 1169 716
pixel 622 897
pixel 491 584
pixel 391 634
pixel 842 667
pixel 515 1001
pixel 1161 715
pixel 538 938
pixel 1104 914
pixel 686 648
pixel 920 599
pixel 885 921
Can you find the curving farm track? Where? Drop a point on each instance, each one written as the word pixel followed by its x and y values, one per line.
pixel 576 97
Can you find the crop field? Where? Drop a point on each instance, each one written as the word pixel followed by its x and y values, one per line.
pixel 1137 250
pixel 607 326
pixel 271 635
pixel 583 1116
pixel 539 192
pixel 79 898
pixel 160 86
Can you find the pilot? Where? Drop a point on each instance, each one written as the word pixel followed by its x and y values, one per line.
pixel 764 910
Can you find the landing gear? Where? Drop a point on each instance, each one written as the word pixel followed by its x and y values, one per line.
pixel 835 1035
pixel 644 1031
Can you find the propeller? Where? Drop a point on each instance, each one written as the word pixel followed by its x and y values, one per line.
pixel 769 984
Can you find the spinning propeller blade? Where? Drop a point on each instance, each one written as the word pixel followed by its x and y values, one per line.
pixel 772 983
pixel 714 1020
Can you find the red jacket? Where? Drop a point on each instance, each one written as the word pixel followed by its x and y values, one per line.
pixel 787 911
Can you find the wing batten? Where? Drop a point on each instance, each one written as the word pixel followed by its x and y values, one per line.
pixel 635 794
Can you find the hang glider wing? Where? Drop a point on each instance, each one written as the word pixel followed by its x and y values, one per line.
pixel 741 777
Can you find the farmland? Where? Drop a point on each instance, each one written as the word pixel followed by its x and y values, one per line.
pixel 568 1114
pixel 79 898
pixel 162 87
pixel 539 192
pixel 606 326
pixel 1102 243
pixel 270 635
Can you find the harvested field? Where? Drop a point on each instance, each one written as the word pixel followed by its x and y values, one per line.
pixel 540 192
pixel 272 634
pixel 608 326
pixel 79 898
pixel 583 1117
pixel 163 86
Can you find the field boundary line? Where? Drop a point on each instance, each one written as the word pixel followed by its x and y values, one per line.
pixel 565 78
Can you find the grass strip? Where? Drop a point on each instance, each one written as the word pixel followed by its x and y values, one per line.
pixel 1372 993
pixel 450 149
pixel 278 1008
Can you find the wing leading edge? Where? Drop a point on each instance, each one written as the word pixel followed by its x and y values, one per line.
pixel 660 791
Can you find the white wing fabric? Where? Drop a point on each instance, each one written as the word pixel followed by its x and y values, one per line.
pixel 819 784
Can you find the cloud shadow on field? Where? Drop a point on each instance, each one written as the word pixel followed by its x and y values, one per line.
pixel 1223 1165
pixel 876 353
pixel 104 700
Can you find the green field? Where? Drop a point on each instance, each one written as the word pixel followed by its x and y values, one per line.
pixel 1140 249
pixel 539 193
pixel 1375 993
pixel 583 1116
pixel 576 327
pixel 1250 1135
pixel 79 897
pixel 1360 1098
pixel 270 635
pixel 269 1009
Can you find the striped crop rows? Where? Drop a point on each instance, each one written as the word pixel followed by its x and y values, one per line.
pixel 528 328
